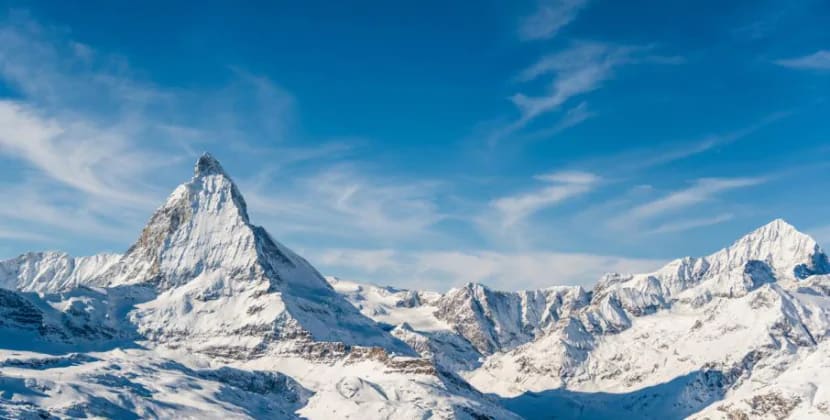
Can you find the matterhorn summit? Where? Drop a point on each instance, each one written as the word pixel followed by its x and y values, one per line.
pixel 226 286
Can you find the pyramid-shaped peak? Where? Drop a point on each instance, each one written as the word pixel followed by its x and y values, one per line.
pixel 778 230
pixel 208 165
pixel 223 280
pixel 780 245
pixel 779 225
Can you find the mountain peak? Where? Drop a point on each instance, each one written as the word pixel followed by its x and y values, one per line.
pixel 776 234
pixel 780 226
pixel 208 165
pixel 779 244
pixel 220 279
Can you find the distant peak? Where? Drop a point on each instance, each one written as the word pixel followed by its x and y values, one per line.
pixel 208 165
pixel 777 233
pixel 777 228
pixel 780 223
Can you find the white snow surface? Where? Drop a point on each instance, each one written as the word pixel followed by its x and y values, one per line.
pixel 52 271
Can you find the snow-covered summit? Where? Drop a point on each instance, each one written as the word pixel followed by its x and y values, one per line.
pixel 776 251
pixel 780 245
pixel 225 285
pixel 713 331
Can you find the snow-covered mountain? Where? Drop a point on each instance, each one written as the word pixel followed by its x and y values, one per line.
pixel 699 337
pixel 691 336
pixel 207 316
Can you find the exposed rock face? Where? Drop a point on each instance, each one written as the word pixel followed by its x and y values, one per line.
pixel 494 321
pixel 18 312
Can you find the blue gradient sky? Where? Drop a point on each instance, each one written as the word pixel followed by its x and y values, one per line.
pixel 425 143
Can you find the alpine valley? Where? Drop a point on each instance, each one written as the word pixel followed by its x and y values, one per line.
pixel 206 316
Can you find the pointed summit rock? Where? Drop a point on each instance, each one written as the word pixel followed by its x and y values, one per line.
pixel 208 165
pixel 224 285
pixel 203 225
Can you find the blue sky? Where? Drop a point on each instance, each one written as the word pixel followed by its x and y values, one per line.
pixel 423 144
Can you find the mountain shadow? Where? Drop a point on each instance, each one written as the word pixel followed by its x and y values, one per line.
pixel 675 399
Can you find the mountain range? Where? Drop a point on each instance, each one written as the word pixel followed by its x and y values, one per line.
pixel 208 316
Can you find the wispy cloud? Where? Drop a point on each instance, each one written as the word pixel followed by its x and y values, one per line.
pixel 819 60
pixel 342 200
pixel 573 117
pixel 701 191
pixel 6 233
pixel 549 18
pixel 692 223
pixel 642 159
pixel 91 159
pixel 441 270
pixel 561 186
pixel 48 211
pixel 93 139
pixel 575 71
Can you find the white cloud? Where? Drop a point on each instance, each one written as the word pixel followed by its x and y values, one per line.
pixel 21 236
pixel 693 223
pixel 819 60
pixel 80 155
pixel 94 140
pixel 563 186
pixel 701 191
pixel 577 70
pixel 441 270
pixel 342 200
pixel 549 18
pixel 47 211
pixel 575 116
pixel 636 160
pixel 58 74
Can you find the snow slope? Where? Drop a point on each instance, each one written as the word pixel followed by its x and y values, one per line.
pixel 52 271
